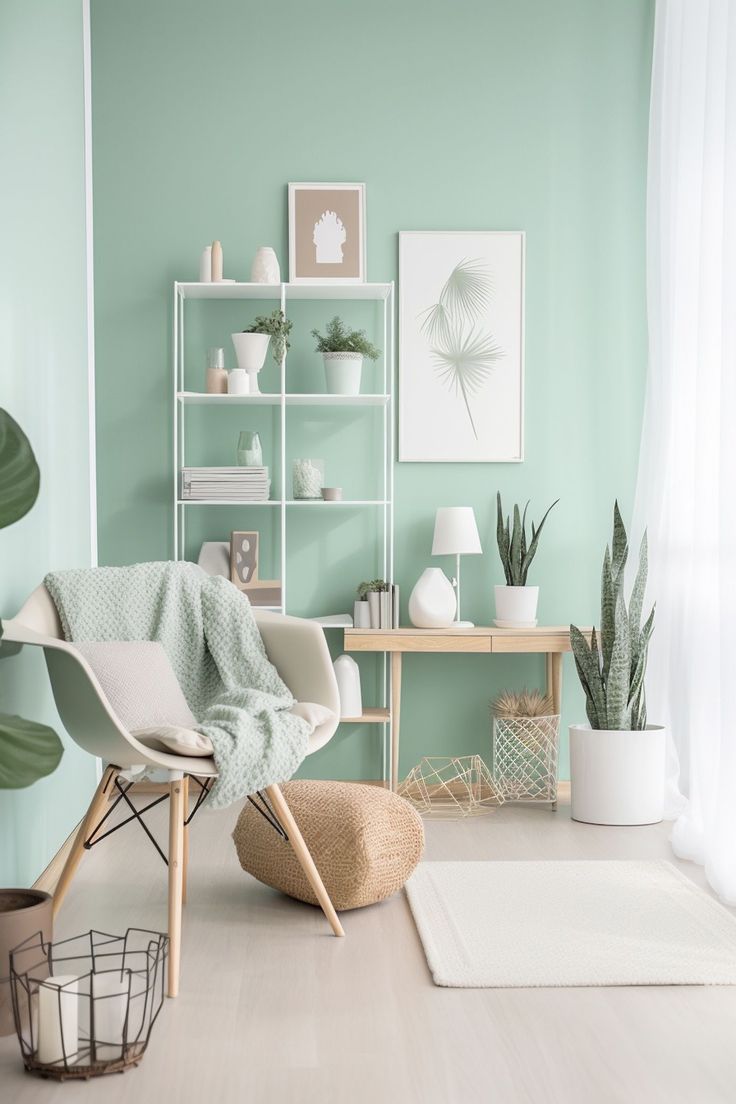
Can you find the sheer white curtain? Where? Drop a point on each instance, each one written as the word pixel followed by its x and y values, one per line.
pixel 686 491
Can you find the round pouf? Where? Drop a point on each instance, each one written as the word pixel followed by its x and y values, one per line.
pixel 365 842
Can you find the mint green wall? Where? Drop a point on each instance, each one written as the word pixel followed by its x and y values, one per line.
pixel 43 368
pixel 470 115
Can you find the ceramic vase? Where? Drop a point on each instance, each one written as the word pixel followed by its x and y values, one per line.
pixel 342 373
pixel 347 674
pixel 361 614
pixel 265 268
pixel 249 451
pixel 238 382
pixel 432 604
pixel 617 777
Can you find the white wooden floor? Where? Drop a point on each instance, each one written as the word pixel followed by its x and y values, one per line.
pixel 273 1008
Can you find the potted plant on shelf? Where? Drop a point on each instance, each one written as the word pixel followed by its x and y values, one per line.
pixel 252 344
pixel 617 760
pixel 28 751
pixel 516 603
pixel 343 351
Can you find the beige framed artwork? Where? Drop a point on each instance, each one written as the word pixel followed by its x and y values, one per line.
pixel 326 233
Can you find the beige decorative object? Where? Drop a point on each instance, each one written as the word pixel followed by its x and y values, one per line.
pixel 444 786
pixel 525 746
pixel 365 842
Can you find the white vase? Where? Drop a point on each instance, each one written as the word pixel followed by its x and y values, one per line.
pixel 342 373
pixel 347 674
pixel 617 777
pixel 238 382
pixel 517 605
pixel 361 614
pixel 432 604
pixel 265 268
pixel 250 350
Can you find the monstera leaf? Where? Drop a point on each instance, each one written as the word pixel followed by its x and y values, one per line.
pixel 19 474
pixel 28 751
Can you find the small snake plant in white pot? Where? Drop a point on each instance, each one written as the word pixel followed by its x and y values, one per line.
pixel 343 351
pixel 617 760
pixel 516 602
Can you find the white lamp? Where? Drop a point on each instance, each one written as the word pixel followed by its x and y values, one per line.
pixel 456 534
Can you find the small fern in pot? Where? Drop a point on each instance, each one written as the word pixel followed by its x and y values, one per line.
pixel 516 602
pixel 617 760
pixel 343 351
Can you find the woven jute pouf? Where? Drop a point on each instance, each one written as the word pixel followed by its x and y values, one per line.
pixel 364 840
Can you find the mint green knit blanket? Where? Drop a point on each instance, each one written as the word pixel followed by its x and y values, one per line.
pixel 210 635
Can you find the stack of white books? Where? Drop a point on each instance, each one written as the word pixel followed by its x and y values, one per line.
pixel 225 484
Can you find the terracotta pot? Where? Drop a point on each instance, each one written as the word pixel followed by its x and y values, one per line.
pixel 23 912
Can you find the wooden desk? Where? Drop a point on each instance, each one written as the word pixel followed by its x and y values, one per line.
pixel 548 641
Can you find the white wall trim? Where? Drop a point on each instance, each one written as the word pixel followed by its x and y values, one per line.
pixel 90 277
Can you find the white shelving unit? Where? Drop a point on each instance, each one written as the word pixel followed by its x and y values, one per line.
pixel 382 294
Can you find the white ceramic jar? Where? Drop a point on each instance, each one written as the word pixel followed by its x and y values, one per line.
pixel 238 382
pixel 432 604
pixel 265 268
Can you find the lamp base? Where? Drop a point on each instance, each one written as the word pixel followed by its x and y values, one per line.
pixel 462 625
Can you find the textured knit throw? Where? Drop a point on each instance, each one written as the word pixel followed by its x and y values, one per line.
pixel 212 640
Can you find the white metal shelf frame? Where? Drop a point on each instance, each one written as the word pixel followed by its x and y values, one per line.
pixel 381 293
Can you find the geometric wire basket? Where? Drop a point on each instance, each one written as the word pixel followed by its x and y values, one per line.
pixel 525 752
pixel 442 786
pixel 86 1006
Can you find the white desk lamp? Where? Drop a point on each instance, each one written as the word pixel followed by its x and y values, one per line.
pixel 456 534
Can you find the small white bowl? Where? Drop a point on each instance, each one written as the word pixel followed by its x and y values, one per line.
pixel 332 494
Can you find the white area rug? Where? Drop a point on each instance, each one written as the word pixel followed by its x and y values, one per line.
pixel 519 924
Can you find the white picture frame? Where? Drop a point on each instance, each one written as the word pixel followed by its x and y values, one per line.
pixel 336 253
pixel 461 305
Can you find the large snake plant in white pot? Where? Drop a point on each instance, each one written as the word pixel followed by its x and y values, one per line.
pixel 617 760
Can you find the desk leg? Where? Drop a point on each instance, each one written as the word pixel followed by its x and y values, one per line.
pixel 395 717
pixel 554 689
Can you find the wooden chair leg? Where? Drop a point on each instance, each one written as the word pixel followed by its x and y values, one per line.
pixel 185 856
pixel 91 818
pixel 176 871
pixel 283 812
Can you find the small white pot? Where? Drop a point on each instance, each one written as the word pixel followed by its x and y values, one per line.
pixel 361 614
pixel 238 382
pixel 342 373
pixel 517 604
pixel 265 268
pixel 251 349
pixel 432 604
pixel 617 777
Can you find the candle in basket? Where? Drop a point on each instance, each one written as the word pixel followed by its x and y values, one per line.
pixel 58 1019
pixel 110 999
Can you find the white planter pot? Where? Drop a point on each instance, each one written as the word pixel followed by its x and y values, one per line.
pixel 347 674
pixel 517 605
pixel 250 350
pixel 432 604
pixel 361 614
pixel 238 382
pixel 617 777
pixel 342 373
pixel 265 267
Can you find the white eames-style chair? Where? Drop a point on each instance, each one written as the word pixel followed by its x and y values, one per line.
pixel 298 650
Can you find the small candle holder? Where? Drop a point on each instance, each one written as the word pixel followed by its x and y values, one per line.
pixel 86 1006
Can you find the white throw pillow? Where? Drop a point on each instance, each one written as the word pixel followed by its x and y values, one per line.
pixel 314 714
pixel 139 683
pixel 180 741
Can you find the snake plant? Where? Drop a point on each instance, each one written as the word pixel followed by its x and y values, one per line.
pixel 516 556
pixel 28 751
pixel 612 669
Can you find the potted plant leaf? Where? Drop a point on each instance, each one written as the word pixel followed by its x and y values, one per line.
pixel 516 602
pixel 28 751
pixel 617 760
pixel 252 344
pixel 343 351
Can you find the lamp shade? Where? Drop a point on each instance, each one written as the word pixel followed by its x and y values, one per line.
pixel 455 532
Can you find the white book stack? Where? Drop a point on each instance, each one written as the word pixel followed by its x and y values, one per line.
pixel 225 484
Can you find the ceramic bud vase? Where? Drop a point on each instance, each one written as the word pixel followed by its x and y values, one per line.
pixel 432 604
pixel 347 674
pixel 265 268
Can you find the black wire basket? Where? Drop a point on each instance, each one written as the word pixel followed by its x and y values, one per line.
pixel 86 1006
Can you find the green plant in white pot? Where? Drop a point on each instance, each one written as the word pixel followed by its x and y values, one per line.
pixel 617 760
pixel 28 751
pixel 343 351
pixel 516 602
pixel 251 345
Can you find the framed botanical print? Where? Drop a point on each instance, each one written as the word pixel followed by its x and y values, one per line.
pixel 461 346
pixel 326 233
